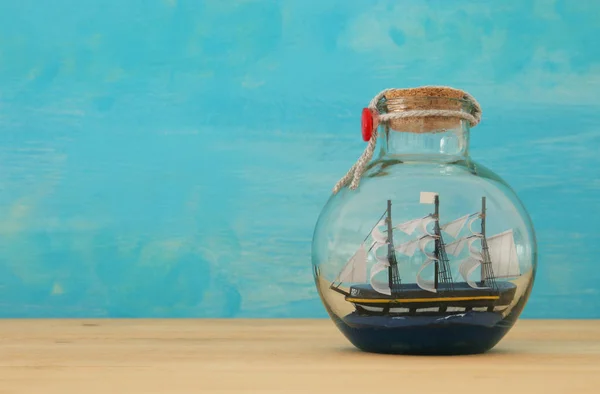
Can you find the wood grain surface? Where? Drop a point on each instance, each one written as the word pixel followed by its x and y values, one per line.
pixel 280 356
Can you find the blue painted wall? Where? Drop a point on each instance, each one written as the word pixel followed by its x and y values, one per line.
pixel 170 157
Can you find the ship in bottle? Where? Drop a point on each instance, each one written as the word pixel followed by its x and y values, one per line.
pixel 481 261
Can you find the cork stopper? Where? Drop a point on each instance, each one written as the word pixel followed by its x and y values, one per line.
pixel 426 98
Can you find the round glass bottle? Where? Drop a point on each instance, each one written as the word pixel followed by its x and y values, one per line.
pixel 420 250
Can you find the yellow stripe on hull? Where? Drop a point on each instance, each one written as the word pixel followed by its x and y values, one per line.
pixel 409 300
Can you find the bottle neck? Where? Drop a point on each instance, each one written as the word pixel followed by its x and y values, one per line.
pixel 437 145
pixel 413 127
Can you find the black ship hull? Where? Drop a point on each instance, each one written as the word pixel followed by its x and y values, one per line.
pixel 413 300
pixel 470 332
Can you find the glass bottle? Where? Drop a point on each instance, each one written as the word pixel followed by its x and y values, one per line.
pixel 423 250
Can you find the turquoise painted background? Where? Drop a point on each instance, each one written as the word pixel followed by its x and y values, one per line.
pixel 170 157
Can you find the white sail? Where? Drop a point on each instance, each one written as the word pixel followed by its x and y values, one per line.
pixel 454 227
pixel 456 247
pixel 471 226
pixel 380 287
pixel 424 223
pixel 377 235
pixel 408 248
pixel 468 267
pixel 503 254
pixel 355 269
pixel 423 244
pixel 424 284
pixel 380 258
pixel 474 252
pixel 410 226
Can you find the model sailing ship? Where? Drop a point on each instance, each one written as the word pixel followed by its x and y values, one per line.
pixel 496 258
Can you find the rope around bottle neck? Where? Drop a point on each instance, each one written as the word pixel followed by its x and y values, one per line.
pixel 356 171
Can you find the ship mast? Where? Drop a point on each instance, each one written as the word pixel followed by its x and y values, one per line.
pixel 442 273
pixel 393 274
pixel 487 273
pixel 436 251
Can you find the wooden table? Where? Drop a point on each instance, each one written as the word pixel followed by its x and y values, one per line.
pixel 280 356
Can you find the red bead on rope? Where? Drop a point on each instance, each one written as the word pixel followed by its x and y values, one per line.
pixel 369 123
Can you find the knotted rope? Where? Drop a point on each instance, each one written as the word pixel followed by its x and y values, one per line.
pixel 356 171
